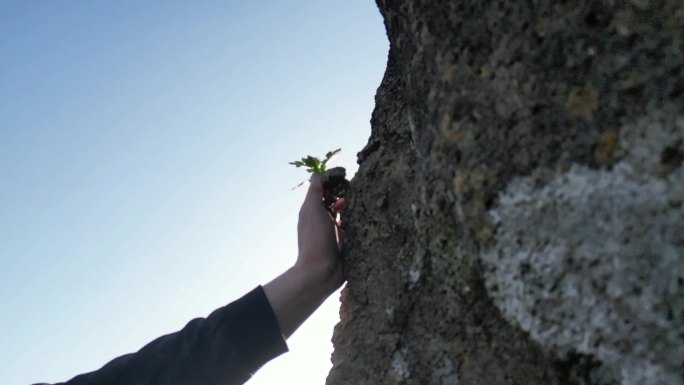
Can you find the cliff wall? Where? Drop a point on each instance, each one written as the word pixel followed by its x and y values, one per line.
pixel 517 216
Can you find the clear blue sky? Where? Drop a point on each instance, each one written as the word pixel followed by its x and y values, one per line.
pixel 143 166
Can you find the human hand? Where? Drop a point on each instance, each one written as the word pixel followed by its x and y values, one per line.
pixel 299 291
pixel 320 236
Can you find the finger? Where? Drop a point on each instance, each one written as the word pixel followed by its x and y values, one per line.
pixel 315 193
pixel 338 205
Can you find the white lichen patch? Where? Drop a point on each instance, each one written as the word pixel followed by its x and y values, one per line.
pixel 641 143
pixel 414 274
pixel 444 372
pixel 389 312
pixel 592 261
pixel 414 271
pixel 399 369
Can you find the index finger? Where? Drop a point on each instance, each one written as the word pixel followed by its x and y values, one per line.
pixel 339 205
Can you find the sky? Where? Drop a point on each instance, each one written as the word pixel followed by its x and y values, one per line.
pixel 144 177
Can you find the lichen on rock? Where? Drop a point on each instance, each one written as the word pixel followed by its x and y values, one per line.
pixel 592 261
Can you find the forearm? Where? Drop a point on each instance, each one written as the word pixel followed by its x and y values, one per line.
pixel 299 291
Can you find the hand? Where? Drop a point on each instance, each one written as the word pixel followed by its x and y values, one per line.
pixel 320 236
pixel 299 291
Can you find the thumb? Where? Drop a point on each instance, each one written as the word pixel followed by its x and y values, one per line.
pixel 315 193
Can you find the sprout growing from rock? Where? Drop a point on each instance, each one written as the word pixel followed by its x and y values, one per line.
pixel 334 180
pixel 314 164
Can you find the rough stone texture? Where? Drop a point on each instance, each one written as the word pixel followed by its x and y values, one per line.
pixel 592 261
pixel 517 215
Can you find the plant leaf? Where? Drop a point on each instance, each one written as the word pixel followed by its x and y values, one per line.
pixel 315 164
pixel 330 154
pixel 297 186
pixel 310 161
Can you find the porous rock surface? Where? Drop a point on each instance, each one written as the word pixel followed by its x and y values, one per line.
pixel 517 216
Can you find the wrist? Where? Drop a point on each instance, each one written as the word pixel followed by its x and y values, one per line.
pixel 324 276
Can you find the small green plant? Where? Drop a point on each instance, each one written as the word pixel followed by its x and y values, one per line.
pixel 314 164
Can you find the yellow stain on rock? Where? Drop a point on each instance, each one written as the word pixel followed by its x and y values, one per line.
pixel 484 232
pixel 485 71
pixel 605 150
pixel 582 101
pixel 451 131
pixel 474 181
pixel 459 182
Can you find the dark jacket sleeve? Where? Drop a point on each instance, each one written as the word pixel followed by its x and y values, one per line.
pixel 223 349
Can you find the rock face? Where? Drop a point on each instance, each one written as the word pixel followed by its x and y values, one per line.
pixel 517 216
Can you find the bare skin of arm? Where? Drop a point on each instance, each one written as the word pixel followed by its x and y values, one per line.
pixel 317 273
